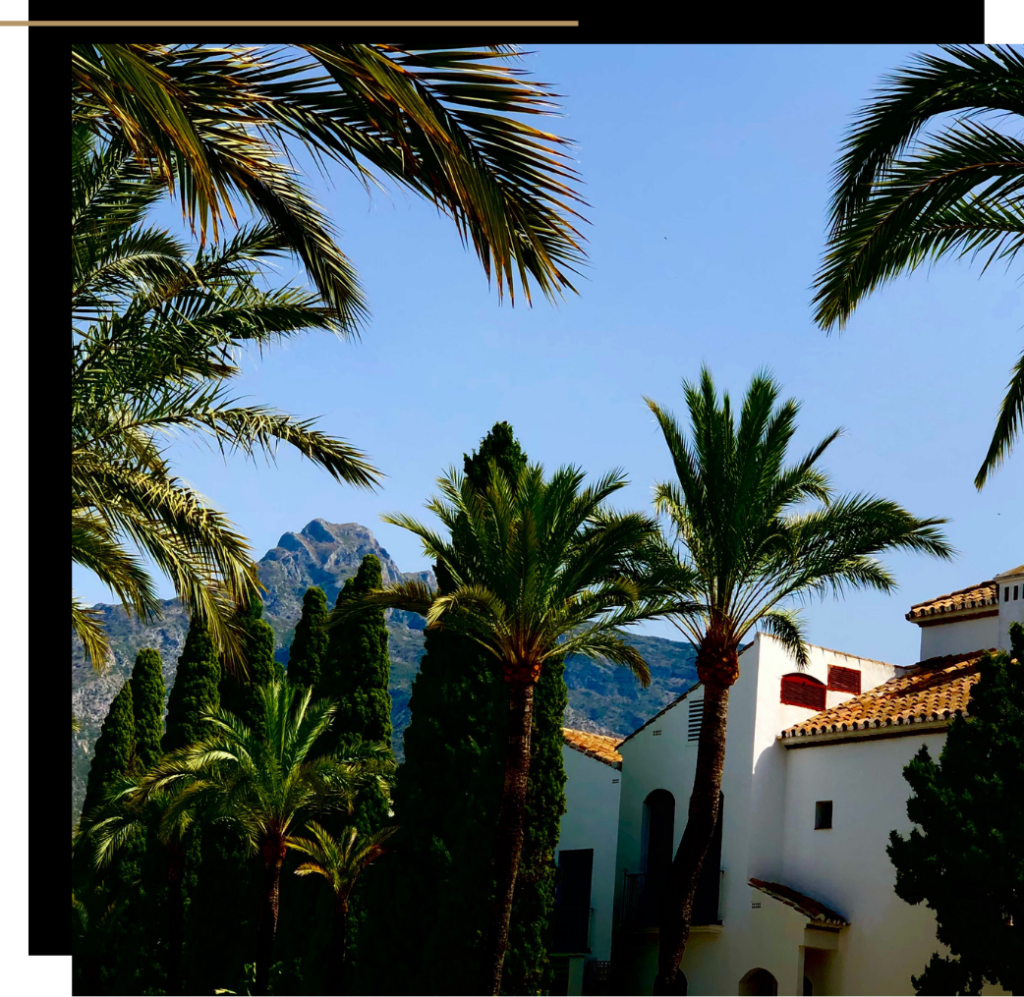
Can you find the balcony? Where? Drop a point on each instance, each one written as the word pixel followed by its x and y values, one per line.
pixel 574 929
pixel 641 901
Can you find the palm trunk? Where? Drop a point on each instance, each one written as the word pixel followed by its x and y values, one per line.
pixel 684 874
pixel 175 915
pixel 509 843
pixel 339 948
pixel 273 859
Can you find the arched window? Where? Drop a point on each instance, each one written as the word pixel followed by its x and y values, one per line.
pixel 758 982
pixel 802 690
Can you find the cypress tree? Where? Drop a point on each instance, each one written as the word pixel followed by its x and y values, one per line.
pixel 447 797
pixel 148 692
pixel 965 856
pixel 194 692
pixel 115 748
pixel 239 694
pixel 309 644
pixel 355 673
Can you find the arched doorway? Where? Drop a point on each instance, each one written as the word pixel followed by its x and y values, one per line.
pixel 758 982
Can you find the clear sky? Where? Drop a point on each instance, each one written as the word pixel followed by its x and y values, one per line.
pixel 707 171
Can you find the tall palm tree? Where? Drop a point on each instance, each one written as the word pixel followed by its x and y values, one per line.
pixel 747 544
pixel 263 782
pixel 340 861
pixel 219 125
pixel 538 569
pixel 153 336
pixel 896 203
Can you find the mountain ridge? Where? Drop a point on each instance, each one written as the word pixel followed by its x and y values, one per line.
pixel 602 697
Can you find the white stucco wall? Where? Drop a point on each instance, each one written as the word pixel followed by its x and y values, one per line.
pixel 754 786
pixel 591 821
pixel 847 867
pixel 959 636
pixel 1011 611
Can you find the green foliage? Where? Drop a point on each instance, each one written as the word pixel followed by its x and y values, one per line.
pixel 448 792
pixel 115 748
pixel 309 645
pixel 195 690
pixel 155 331
pixel 239 695
pixel 148 693
pixel 527 970
pixel 900 199
pixel 965 856
pixel 358 668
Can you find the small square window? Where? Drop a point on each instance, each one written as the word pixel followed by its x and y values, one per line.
pixel 822 815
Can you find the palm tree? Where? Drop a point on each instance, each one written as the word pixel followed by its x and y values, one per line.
pixel 152 348
pixel 340 861
pixel 747 544
pixel 125 818
pixel 959 193
pixel 538 569
pixel 220 125
pixel 263 782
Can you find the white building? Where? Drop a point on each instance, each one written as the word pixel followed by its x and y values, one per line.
pixel 797 891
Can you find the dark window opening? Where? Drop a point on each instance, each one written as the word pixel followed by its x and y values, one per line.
pixel 706 899
pixel 1006 594
pixel 572 900
pixel 822 815
pixel 802 690
pixel 844 679
pixel 1015 587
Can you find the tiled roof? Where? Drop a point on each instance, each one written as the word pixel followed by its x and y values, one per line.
pixel 1019 570
pixel 975 597
pixel 931 690
pixel 807 906
pixel 595 745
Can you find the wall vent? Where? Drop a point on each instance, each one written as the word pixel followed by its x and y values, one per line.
pixel 844 679
pixel 614 781
pixel 755 904
pixel 655 733
pixel 694 719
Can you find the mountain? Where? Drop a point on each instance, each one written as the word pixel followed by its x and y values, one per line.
pixel 602 698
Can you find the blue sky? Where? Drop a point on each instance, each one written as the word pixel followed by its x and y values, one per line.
pixel 707 171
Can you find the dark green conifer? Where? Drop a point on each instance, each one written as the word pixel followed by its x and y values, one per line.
pixel 309 644
pixel 447 796
pixel 239 695
pixel 115 748
pixel 194 692
pixel 148 693
pixel 965 856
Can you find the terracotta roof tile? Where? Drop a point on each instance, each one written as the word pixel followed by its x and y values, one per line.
pixel 808 906
pixel 594 745
pixel 931 690
pixel 974 597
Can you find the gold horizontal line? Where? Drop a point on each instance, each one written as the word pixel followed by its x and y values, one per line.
pixel 288 24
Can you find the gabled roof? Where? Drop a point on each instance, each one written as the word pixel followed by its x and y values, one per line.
pixel 808 906
pixel 597 746
pixel 1019 570
pixel 662 711
pixel 932 690
pixel 977 597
